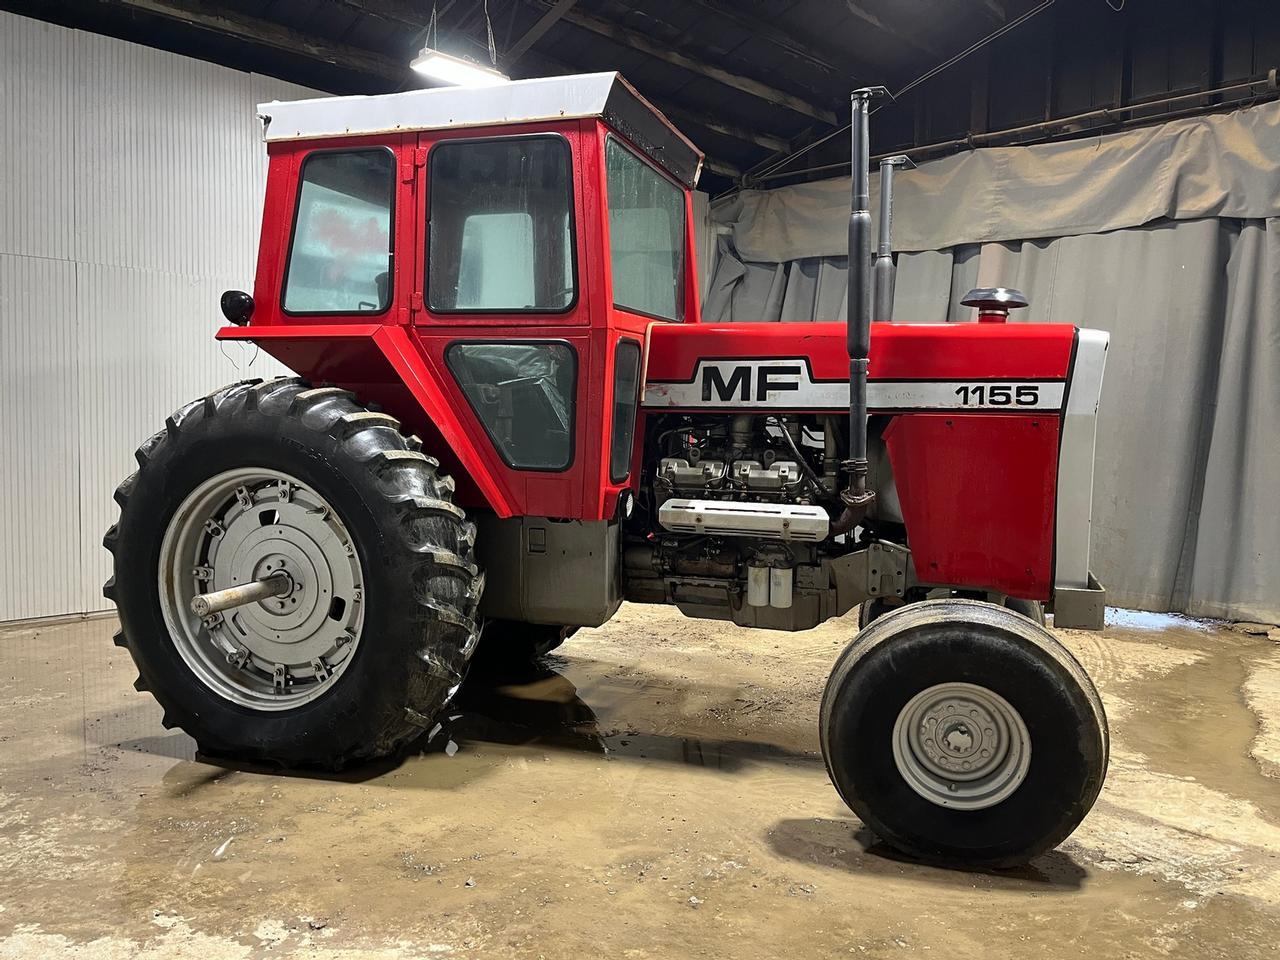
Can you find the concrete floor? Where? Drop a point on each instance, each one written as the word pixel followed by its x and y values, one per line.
pixel 656 793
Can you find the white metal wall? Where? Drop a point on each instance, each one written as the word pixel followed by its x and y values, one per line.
pixel 130 189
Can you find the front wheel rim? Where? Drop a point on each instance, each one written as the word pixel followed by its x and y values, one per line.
pixel 240 526
pixel 961 746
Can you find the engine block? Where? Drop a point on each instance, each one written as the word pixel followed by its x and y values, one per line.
pixel 765 480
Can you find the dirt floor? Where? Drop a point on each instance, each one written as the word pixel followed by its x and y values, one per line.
pixel 656 793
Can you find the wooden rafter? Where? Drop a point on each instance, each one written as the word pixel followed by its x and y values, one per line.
pixel 665 52
pixel 535 33
pixel 274 36
pixel 799 49
pixel 861 13
pixel 264 33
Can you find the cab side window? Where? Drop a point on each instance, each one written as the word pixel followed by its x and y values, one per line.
pixel 340 251
pixel 501 234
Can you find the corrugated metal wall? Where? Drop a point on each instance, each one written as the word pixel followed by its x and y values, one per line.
pixel 130 190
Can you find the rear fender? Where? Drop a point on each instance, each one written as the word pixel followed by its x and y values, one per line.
pixel 382 364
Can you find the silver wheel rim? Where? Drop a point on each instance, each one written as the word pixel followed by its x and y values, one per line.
pixel 962 746
pixel 243 525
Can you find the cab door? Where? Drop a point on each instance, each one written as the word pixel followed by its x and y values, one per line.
pixel 501 307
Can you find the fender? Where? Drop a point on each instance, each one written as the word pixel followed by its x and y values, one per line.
pixel 381 362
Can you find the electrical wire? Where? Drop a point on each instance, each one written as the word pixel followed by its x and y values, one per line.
pixel 923 78
pixel 488 25
pixel 809 473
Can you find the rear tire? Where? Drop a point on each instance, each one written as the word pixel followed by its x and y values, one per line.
pixel 400 628
pixel 1026 742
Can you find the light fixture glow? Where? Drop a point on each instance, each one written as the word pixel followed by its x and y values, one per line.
pixel 450 69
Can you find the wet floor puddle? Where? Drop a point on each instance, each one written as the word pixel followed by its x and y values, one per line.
pixel 626 717
pixel 1191 720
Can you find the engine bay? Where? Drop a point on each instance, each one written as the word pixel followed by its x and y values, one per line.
pixel 737 520
pixel 746 457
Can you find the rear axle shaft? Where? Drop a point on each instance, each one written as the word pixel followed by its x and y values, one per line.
pixel 207 604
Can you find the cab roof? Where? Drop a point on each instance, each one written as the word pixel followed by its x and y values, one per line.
pixel 604 95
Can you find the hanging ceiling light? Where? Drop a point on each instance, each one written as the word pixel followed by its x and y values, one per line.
pixel 454 70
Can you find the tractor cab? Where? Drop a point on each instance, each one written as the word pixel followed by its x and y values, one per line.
pixel 519 239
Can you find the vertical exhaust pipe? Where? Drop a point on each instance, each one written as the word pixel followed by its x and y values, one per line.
pixel 856 497
pixel 885 271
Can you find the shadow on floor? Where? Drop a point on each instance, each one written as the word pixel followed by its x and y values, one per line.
pixel 177 746
pixel 536 706
pixel 850 846
pixel 542 706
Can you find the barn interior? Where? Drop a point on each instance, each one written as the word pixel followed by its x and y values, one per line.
pixel 655 786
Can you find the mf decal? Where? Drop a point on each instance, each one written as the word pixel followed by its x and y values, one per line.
pixel 775 382
pixel 787 384
pixel 760 383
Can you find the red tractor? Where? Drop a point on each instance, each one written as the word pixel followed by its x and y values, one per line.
pixel 509 418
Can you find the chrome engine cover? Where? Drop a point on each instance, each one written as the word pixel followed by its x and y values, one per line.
pixel 732 518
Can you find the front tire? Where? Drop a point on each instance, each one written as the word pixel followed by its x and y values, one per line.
pixel 872 610
pixel 375 637
pixel 961 732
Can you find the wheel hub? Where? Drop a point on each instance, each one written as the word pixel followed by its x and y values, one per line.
pixel 961 745
pixel 249 525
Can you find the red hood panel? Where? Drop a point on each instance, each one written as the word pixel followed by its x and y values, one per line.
pixel 899 351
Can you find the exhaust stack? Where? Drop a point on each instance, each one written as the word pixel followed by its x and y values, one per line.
pixel 856 497
pixel 885 271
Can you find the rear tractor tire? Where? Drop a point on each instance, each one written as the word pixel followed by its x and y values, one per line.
pixel 369 634
pixel 962 732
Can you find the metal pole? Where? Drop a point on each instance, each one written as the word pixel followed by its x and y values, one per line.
pixel 859 318
pixel 857 497
pixel 885 272
pixel 207 604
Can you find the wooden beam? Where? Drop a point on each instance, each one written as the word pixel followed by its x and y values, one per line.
pixel 722 168
pixel 264 33
pixel 534 33
pixel 668 54
pixel 232 23
pixel 686 117
pixel 801 50
pixel 870 19
pixel 799 141
pixel 408 14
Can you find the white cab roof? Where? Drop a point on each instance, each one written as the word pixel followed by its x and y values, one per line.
pixel 604 95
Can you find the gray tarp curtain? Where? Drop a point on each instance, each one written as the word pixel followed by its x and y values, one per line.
pixel 1186 490
pixel 1225 165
